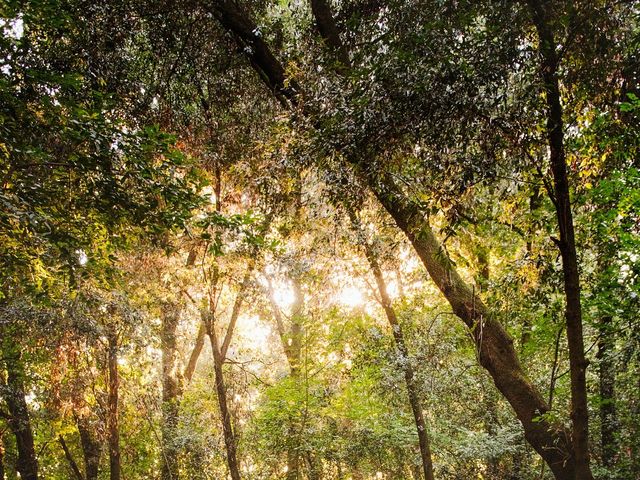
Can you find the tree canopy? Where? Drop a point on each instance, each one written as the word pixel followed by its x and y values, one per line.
pixel 319 240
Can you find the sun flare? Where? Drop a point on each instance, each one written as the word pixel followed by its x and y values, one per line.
pixel 350 297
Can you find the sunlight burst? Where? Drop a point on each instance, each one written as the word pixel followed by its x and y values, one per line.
pixel 350 297
pixel 255 333
pixel 284 295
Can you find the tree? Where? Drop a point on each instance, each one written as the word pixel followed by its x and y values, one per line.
pixel 378 225
pixel 495 347
pixel 398 336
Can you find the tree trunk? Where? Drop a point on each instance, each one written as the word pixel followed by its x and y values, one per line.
pixel 246 33
pixel 491 415
pixel 608 414
pixel 293 464
pixel 493 344
pixel 195 354
pixel 573 310
pixel 19 421
pixel 170 393
pixel 328 30
pixel 225 414
pixel 219 356
pixel 315 469
pixel 91 448
pixel 112 405
pixel 535 200
pixel 72 462
pixel 401 347
pixel 294 356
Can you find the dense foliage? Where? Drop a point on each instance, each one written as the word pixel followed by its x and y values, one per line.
pixel 319 240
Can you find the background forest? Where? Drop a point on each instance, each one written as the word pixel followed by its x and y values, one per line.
pixel 319 239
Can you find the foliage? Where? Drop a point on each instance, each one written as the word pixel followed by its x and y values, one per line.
pixel 153 184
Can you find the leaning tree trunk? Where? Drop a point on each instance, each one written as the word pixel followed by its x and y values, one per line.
pixel 170 393
pixel 494 346
pixel 113 429
pixel 73 465
pixel 195 354
pixel 567 244
pixel 19 421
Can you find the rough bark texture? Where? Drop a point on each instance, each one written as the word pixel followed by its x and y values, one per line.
pixel 495 347
pixel 113 430
pixel 91 448
pixel 19 421
pixel 573 311
pixel 70 460
pixel 170 392
pixel 401 347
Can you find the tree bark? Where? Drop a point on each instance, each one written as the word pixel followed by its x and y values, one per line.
pixel 573 310
pixel 112 404
pixel 91 448
pixel 219 357
pixel 247 34
pixel 170 392
pixel 494 346
pixel 195 354
pixel 72 463
pixel 315 470
pixel 403 352
pixel 19 421
pixel 491 414
pixel 328 30
pixel 291 337
pixel 535 200
pixel 225 414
